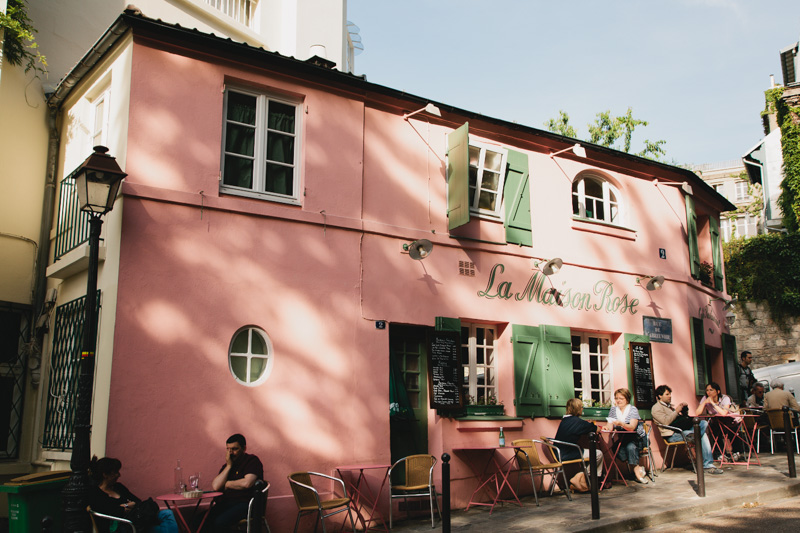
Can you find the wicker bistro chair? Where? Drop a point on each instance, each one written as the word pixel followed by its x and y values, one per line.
pixel 528 459
pixel 256 520
pixel 308 499
pixel 776 428
pixel 94 514
pixel 673 447
pixel 556 465
pixel 418 482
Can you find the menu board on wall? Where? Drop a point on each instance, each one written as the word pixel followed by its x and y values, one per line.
pixel 642 370
pixel 445 373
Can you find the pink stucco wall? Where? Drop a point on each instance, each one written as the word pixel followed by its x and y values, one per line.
pixel 195 266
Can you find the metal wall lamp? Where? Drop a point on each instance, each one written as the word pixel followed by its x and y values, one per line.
pixel 550 267
pixel 728 303
pixel 419 249
pixel 577 149
pixel 654 283
pixel 430 108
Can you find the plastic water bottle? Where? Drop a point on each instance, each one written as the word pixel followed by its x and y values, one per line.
pixel 178 478
pixel 502 437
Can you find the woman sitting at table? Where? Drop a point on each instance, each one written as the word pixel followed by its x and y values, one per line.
pixel 717 404
pixel 571 429
pixel 625 417
pixel 111 497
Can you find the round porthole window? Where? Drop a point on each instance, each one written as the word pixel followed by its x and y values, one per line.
pixel 250 356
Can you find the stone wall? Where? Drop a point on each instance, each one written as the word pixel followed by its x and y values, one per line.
pixel 770 344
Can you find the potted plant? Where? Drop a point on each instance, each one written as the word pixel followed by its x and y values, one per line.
pixel 596 409
pixel 705 273
pixel 487 406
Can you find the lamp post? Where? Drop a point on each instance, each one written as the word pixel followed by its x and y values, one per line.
pixel 97 181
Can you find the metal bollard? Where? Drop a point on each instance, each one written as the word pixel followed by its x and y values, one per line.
pixel 787 439
pixel 698 459
pixel 445 493
pixel 593 476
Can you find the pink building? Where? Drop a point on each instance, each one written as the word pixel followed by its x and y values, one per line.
pixel 255 277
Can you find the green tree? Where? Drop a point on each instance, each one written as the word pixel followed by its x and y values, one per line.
pixel 17 31
pixel 607 130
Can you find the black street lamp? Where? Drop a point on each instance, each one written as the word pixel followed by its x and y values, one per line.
pixel 97 181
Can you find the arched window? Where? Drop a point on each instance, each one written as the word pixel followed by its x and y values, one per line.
pixel 595 198
pixel 250 356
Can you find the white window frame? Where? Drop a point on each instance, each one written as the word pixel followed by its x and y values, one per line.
pixel 742 193
pixel 470 348
pixel 579 191
pixel 474 193
pixel 604 391
pixel 99 132
pixel 249 355
pixel 725 229
pixel 259 155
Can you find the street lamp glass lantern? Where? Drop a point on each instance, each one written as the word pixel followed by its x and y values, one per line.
pixel 97 181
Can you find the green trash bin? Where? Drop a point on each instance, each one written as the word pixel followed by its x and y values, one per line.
pixel 32 497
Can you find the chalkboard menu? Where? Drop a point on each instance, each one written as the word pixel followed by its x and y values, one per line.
pixel 445 373
pixel 643 383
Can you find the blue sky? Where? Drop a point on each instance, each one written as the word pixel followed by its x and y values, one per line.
pixel 696 70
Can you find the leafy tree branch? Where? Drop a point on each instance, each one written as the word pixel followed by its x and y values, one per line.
pixel 19 44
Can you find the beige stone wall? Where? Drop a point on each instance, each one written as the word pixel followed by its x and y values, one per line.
pixel 771 345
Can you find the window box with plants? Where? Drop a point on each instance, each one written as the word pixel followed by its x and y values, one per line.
pixel 488 406
pixel 596 409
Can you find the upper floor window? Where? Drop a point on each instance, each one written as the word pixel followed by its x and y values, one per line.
pixel 487 167
pixel 741 191
pixel 100 123
pixel 477 349
pixel 250 356
pixel 260 146
pixel 596 198
pixel 241 11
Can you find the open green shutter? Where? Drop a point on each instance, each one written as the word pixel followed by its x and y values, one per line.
pixel 559 380
pixel 716 256
pixel 448 324
pixel 528 371
pixel 517 200
pixel 691 230
pixel 731 367
pixel 458 177
pixel 701 373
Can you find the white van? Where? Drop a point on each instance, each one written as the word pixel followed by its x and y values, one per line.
pixel 789 373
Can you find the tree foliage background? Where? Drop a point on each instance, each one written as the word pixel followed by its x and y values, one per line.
pixel 766 268
pixel 19 43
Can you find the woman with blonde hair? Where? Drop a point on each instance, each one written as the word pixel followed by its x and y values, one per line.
pixel 571 429
pixel 624 416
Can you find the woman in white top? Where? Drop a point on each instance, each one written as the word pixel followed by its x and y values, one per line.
pixel 624 416
pixel 719 405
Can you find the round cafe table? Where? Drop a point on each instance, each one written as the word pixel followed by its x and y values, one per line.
pixel 175 502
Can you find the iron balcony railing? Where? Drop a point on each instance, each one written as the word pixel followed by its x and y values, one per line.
pixel 239 10
pixel 64 373
pixel 72 226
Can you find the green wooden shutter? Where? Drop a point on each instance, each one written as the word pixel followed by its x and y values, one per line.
pixel 559 380
pixel 458 177
pixel 701 371
pixel 517 200
pixel 448 324
pixel 716 256
pixel 691 230
pixel 528 371
pixel 731 370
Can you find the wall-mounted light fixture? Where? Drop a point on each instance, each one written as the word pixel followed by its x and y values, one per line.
pixel 419 249
pixel 548 268
pixel 577 149
pixel 728 303
pixel 685 187
pixel 654 283
pixel 430 108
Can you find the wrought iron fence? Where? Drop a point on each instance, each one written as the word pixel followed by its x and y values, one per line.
pixel 64 372
pixel 72 227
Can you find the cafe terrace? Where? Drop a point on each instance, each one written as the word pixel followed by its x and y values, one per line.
pixel 292 240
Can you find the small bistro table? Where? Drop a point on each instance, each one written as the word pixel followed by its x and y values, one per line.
pixel 175 502
pixel 486 477
pixel 362 496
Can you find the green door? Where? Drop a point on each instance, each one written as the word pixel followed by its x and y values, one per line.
pixel 409 360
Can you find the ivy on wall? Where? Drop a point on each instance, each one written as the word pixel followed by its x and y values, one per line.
pixel 766 268
pixel 788 117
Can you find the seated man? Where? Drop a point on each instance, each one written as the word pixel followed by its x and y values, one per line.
pixel 756 400
pixel 665 415
pixel 777 398
pixel 235 480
